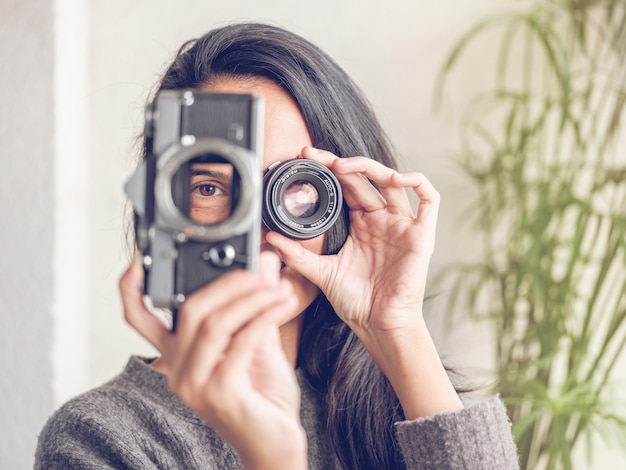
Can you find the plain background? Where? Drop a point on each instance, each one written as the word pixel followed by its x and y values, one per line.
pixel 74 78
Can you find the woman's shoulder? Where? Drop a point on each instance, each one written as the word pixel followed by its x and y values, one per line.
pixel 130 421
pixel 137 390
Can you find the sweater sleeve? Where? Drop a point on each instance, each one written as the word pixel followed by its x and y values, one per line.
pixel 477 437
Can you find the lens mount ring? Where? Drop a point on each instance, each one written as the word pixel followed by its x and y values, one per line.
pixel 276 182
pixel 245 163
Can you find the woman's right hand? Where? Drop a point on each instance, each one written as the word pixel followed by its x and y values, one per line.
pixel 226 362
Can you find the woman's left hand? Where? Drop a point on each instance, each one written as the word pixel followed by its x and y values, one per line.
pixel 376 283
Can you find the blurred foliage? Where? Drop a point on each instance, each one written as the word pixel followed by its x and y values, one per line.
pixel 545 145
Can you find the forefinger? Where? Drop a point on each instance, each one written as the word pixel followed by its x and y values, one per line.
pixel 135 311
pixel 356 174
pixel 395 197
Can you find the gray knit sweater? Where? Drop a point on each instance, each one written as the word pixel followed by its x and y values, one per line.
pixel 135 422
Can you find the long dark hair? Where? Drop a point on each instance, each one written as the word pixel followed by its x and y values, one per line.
pixel 361 404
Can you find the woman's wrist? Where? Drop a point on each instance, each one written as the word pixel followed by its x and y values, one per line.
pixel 291 456
pixel 409 359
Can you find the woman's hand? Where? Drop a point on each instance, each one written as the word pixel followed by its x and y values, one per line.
pixel 226 362
pixel 377 280
pixel 376 283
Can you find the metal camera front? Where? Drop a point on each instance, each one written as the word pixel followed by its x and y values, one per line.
pixel 172 219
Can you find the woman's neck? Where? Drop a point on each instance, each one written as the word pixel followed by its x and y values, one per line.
pixel 290 334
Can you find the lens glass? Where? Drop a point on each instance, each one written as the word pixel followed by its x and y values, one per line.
pixel 301 199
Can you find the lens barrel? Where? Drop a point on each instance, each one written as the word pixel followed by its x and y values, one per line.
pixel 302 199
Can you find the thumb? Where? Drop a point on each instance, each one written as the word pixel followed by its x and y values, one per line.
pixel 298 258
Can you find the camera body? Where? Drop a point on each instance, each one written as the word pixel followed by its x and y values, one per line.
pixel 196 196
pixel 200 196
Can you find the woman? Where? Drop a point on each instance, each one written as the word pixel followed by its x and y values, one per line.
pixel 343 309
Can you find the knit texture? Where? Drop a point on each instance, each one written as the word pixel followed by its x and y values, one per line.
pixel 473 438
pixel 135 422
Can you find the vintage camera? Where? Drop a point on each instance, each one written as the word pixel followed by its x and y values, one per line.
pixel 199 193
pixel 196 195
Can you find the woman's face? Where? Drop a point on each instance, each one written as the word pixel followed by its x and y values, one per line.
pixel 285 136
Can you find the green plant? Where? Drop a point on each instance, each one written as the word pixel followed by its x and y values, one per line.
pixel 545 146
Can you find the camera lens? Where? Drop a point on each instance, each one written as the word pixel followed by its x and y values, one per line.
pixel 301 198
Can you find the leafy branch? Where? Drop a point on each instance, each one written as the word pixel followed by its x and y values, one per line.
pixel 545 147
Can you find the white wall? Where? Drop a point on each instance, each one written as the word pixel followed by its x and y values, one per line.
pixel 72 104
pixel 43 242
pixel 26 238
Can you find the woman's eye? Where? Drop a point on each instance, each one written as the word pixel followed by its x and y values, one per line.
pixel 207 190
